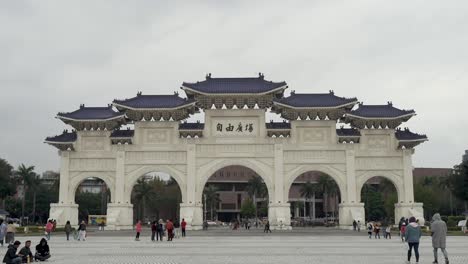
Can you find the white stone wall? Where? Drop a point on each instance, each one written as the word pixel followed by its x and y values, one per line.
pixel 313 146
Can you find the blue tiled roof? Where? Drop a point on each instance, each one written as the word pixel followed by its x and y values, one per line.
pixel 380 111
pixel 348 132
pixel 121 133
pixel 63 138
pixel 234 85
pixel 316 100
pixel 406 134
pixel 91 113
pixel 154 101
pixel 278 125
pixel 191 126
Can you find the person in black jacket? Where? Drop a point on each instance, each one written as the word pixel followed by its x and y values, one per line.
pixel 42 251
pixel 10 256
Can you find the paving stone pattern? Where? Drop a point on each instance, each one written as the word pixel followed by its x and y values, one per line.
pixel 243 250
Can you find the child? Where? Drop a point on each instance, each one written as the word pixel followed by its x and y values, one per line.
pixel 388 232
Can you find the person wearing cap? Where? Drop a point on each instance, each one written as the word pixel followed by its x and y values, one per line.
pixel 11 257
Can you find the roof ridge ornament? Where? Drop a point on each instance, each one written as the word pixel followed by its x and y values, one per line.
pixel 139 93
pixel 331 92
pixel 82 106
pixel 176 93
pixel 390 103
pixel 293 92
pixel 208 76
pixel 261 76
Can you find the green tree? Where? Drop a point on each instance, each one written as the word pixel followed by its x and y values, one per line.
pixel 27 176
pixel 143 193
pixel 248 209
pixel 327 186
pixel 459 179
pixel 307 191
pixel 373 202
pixel 256 188
pixel 7 186
pixel 210 194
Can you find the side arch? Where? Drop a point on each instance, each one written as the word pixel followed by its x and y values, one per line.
pixel 207 170
pixel 395 178
pixel 76 180
pixel 131 178
pixel 338 176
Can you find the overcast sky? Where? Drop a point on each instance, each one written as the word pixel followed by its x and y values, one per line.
pixel 55 55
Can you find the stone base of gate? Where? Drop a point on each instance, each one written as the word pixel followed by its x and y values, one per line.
pixel 62 213
pixel 193 215
pixel 279 215
pixel 407 210
pixel 119 216
pixel 348 212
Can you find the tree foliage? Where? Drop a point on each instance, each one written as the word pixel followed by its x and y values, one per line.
pixel 7 186
pixel 248 209
pixel 459 182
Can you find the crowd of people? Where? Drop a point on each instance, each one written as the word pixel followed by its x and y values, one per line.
pixel 160 229
pixel 410 232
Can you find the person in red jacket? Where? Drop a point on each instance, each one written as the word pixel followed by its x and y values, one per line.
pixel 170 230
pixel 183 224
pixel 138 231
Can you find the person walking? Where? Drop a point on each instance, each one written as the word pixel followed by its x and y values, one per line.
pixel 160 230
pixel 412 236
pixel 377 230
pixel 68 229
pixel 42 250
pixel 170 230
pixel 10 232
pixel 183 225
pixel 267 227
pixel 359 225
pixel 354 225
pixel 48 229
pixel 388 232
pixel 138 230
pixel 3 231
pixel 370 227
pixel 154 227
pixel 11 257
pixel 176 228
pixel 439 234
pixel 402 231
pixel 82 231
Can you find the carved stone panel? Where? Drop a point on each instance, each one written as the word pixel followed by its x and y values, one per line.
pixel 94 143
pixel 316 135
pixel 233 149
pixel 379 163
pixel 92 164
pixel 314 156
pixel 157 157
pixel 156 136
pixel 378 141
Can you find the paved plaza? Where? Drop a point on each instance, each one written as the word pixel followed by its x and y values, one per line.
pixel 244 248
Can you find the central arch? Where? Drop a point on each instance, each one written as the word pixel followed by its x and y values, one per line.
pixel 207 170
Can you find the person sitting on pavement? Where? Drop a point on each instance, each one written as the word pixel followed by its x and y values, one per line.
pixel 11 257
pixel 26 253
pixel 42 250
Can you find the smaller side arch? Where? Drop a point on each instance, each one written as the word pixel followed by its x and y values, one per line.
pixel 75 181
pixel 393 177
pixel 338 176
pixel 131 179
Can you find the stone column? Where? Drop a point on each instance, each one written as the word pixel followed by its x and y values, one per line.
pixel 279 210
pixel 313 207
pixel 120 212
pixel 191 209
pixel 407 207
pixel 66 209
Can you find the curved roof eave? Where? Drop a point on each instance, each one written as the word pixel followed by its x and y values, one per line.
pixel 228 94
pixel 316 107
pixel 149 109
